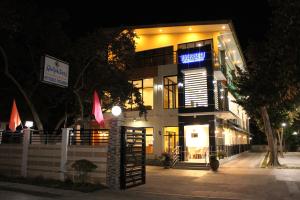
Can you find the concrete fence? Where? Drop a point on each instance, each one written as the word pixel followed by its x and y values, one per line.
pixel 52 161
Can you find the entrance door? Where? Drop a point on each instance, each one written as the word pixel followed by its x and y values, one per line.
pixel 197 143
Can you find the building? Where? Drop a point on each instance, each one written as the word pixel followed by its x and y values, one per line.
pixel 185 73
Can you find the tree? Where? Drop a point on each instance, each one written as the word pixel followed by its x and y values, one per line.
pixel 269 85
pixel 27 32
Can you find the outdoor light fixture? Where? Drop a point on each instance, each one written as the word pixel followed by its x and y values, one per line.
pixel 214 81
pixel 116 111
pixel 29 124
pixel 221 90
pixel 159 87
pixel 283 124
pixel 295 133
pixel 180 84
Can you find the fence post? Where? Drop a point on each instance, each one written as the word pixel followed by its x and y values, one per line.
pixel 26 140
pixel 114 154
pixel 64 152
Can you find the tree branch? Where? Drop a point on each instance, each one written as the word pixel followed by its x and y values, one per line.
pixel 18 85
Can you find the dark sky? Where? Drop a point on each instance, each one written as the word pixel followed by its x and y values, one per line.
pixel 250 17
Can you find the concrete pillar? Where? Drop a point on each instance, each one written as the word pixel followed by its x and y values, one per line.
pixel 64 152
pixel 114 154
pixel 1 136
pixel 26 141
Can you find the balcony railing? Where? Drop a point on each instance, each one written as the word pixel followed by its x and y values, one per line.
pixel 156 59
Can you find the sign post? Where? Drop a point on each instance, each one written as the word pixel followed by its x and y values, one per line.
pixel 54 71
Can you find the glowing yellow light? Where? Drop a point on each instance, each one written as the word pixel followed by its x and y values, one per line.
pixel 160 30
pixel 190 28
pixel 228 40
pixel 223 27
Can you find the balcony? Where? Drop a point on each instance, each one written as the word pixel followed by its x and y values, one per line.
pixel 156 57
pixel 220 73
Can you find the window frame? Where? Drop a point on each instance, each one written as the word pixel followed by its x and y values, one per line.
pixel 176 95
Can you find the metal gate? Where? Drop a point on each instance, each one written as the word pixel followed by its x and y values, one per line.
pixel 133 157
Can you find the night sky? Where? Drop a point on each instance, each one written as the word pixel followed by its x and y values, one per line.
pixel 250 18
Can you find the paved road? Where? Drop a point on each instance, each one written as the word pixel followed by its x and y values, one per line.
pixel 237 179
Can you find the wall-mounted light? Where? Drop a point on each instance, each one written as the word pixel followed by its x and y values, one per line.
pixel 180 84
pixel 221 97
pixel 159 87
pixel 221 90
pixel 214 81
pixel 283 124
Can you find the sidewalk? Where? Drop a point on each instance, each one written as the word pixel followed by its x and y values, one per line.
pixel 290 160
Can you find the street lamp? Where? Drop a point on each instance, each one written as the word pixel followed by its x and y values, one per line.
pixel 116 111
pixel 29 124
pixel 295 133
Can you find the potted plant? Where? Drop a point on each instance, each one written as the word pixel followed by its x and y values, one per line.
pixel 214 163
pixel 166 160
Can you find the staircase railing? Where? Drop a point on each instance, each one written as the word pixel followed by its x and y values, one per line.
pixel 175 156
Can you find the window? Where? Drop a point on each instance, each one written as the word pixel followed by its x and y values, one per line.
pixel 170 92
pixel 149 140
pixel 171 138
pixel 145 87
pixel 155 57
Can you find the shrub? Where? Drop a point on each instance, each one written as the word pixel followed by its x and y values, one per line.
pixel 83 167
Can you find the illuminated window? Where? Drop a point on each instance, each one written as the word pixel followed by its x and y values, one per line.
pixel 149 140
pixel 171 138
pixel 170 92
pixel 145 87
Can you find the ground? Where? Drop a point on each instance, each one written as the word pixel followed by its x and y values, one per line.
pixel 240 178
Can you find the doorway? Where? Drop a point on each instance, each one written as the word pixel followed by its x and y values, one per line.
pixel 196 143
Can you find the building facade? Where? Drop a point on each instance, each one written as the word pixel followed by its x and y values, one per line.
pixel 185 74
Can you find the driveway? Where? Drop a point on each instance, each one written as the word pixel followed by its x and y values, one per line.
pixel 239 178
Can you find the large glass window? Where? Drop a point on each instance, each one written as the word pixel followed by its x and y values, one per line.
pixel 145 87
pixel 149 140
pixel 171 138
pixel 170 92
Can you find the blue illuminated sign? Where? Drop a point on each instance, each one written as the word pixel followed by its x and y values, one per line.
pixel 192 57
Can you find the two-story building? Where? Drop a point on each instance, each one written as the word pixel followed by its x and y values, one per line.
pixel 185 74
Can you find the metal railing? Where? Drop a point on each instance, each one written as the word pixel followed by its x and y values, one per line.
pixel 230 150
pixel 156 59
pixel 88 136
pixel 46 136
pixel 8 137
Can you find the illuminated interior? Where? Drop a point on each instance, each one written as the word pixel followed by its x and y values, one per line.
pixel 162 36
pixel 171 138
pixel 170 92
pixel 197 143
pixel 145 87
pixel 149 140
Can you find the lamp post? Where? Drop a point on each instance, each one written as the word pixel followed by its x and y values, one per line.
pixel 283 125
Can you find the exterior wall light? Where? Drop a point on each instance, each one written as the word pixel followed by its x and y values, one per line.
pixel 283 124
pixel 214 81
pixel 29 124
pixel 180 84
pixel 116 111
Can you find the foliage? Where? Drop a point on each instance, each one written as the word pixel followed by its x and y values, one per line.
pixel 83 167
pixel 270 81
pixel 28 31
pixel 166 159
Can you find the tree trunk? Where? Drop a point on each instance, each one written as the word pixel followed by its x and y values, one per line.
pixel 273 157
pixel 280 138
pixel 34 113
pixel 80 104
